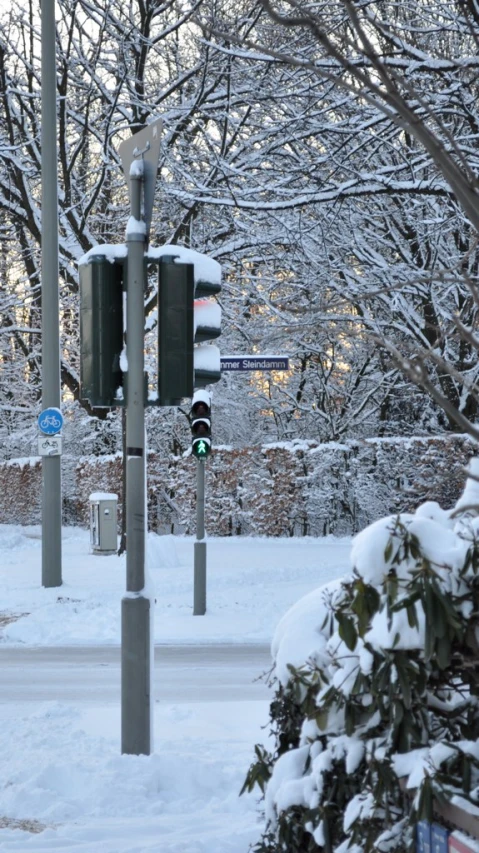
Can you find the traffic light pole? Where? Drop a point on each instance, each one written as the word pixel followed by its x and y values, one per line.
pixel 51 389
pixel 199 586
pixel 136 718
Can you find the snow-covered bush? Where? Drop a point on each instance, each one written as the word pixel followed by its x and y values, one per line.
pixel 376 710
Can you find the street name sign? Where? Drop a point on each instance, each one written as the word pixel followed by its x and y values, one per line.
pixel 239 363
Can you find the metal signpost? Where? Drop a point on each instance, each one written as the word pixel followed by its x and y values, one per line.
pixel 139 155
pixel 200 417
pixel 186 280
pixel 51 387
pixel 199 575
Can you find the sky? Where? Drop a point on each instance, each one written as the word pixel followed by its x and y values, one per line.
pixel 64 784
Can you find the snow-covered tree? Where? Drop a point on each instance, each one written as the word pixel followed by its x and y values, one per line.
pixel 396 162
pixel 330 223
pixel 243 178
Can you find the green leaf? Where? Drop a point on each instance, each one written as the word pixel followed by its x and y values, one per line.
pixel 414 547
pixel 440 615
pixel 429 642
pixel 425 804
pixel 360 682
pixel 421 680
pixel 383 677
pixel 260 772
pixel 406 601
pixel 359 608
pixel 404 684
pixel 373 599
pixel 443 652
pixel 412 616
pixel 347 631
pixel 392 588
pixel 398 712
pixel 349 719
pixel 321 719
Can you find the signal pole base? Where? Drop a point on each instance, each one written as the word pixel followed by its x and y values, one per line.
pixel 136 693
pixel 199 597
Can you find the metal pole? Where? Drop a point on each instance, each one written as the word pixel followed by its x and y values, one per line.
pixel 135 610
pixel 199 594
pixel 51 389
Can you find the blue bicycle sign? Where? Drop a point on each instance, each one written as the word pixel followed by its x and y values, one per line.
pixel 50 421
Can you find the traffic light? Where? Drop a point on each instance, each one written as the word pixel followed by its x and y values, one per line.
pixel 175 331
pixel 101 331
pixel 186 316
pixel 207 326
pixel 200 420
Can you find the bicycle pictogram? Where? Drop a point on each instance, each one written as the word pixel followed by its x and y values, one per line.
pixel 50 421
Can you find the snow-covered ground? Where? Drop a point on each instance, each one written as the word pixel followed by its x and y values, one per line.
pixel 64 785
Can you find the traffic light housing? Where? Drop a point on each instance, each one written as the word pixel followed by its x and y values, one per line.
pixel 101 331
pixel 200 421
pixel 207 326
pixel 187 317
pixel 176 288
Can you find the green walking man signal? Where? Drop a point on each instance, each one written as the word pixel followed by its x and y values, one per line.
pixel 201 449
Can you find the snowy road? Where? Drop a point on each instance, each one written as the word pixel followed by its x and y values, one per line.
pixel 201 673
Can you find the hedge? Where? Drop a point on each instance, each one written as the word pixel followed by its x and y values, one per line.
pixel 298 488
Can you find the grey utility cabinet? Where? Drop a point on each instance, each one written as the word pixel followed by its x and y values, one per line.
pixel 103 522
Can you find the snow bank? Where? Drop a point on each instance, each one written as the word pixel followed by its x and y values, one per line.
pixel 71 781
pixel 250 584
pixel 62 771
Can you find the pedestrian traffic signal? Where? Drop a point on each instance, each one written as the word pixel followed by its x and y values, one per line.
pixel 200 420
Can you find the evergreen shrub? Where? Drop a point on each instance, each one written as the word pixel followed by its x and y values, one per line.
pixel 375 714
